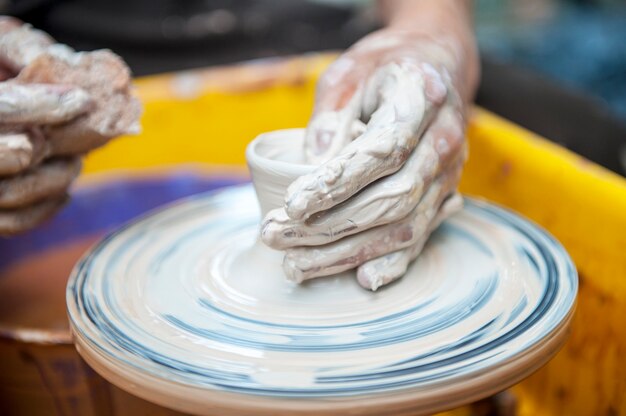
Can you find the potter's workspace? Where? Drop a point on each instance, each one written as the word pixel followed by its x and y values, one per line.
pixel 389 207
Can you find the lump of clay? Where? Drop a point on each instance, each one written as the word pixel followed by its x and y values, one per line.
pixel 108 81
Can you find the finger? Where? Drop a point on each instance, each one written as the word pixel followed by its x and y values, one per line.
pixel 381 203
pixel 95 129
pixel 390 136
pixel 385 269
pixel 16 152
pixel 20 44
pixel 335 120
pixel 385 201
pixel 19 151
pixel 350 71
pixel 51 179
pixel 19 220
pixel 330 131
pixel 303 263
pixel 338 84
pixel 41 103
pixel 108 79
pixel 8 23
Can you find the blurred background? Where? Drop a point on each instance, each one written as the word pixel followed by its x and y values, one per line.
pixel 557 67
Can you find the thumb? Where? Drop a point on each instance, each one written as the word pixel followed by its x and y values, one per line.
pixel 20 43
pixel 41 103
pixel 336 116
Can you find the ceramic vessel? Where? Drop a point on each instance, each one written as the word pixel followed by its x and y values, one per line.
pixel 275 161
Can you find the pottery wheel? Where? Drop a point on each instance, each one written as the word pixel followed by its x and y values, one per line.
pixel 184 308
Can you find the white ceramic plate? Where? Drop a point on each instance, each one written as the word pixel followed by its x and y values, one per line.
pixel 185 309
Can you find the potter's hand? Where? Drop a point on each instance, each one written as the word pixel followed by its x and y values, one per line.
pixel 388 130
pixel 33 180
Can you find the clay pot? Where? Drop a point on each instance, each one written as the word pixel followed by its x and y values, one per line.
pixel 275 160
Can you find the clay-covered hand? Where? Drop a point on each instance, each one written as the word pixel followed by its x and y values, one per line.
pixel 388 134
pixel 39 112
pixel 30 188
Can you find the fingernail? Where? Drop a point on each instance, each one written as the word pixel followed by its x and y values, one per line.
pixel 134 128
pixel 435 88
pixel 368 278
pixel 358 128
pixel 269 234
pixel 15 153
pixel 8 23
pixel 323 139
pixel 292 273
pixel 296 207
pixel 295 204
pixel 75 100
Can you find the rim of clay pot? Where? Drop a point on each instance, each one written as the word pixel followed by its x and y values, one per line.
pixel 275 160
pixel 261 153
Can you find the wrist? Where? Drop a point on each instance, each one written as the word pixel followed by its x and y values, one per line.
pixel 428 15
pixel 447 23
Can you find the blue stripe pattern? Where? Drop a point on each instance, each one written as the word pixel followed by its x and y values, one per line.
pixel 161 295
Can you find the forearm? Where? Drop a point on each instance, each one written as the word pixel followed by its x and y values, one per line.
pixel 446 21
pixel 434 16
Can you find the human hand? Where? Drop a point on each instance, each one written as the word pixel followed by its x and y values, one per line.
pixel 388 133
pixel 42 122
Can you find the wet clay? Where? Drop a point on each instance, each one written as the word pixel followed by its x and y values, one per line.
pixel 396 213
pixel 32 290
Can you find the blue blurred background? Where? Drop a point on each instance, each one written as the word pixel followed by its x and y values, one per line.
pixel 579 43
